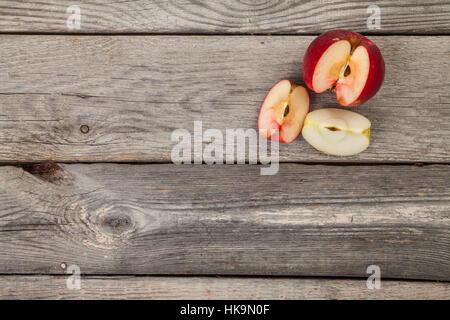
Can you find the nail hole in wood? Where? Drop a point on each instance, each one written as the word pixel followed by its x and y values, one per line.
pixel 84 129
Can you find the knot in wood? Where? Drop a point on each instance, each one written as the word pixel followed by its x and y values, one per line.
pixel 116 223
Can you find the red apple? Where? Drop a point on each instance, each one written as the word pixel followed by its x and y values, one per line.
pixel 344 62
pixel 283 111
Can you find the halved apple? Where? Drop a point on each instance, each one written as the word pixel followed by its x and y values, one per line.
pixel 344 62
pixel 283 112
pixel 337 132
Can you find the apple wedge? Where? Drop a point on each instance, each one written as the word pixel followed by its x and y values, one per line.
pixel 337 132
pixel 283 111
pixel 346 63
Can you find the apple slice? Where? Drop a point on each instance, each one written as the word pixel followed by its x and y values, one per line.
pixel 337 132
pixel 283 112
pixel 344 62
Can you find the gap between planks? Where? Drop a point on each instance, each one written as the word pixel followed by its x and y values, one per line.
pixel 150 34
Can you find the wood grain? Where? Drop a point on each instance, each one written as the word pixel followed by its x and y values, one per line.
pixel 161 219
pixel 215 288
pixel 229 16
pixel 134 91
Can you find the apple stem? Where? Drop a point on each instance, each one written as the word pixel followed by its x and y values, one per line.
pixel 355 45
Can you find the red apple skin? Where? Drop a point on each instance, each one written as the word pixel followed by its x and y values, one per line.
pixel 317 48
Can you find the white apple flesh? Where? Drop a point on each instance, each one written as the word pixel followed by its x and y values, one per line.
pixel 283 112
pixel 337 132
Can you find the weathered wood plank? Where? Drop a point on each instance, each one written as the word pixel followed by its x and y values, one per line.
pixel 309 220
pixel 215 288
pixel 230 16
pixel 133 92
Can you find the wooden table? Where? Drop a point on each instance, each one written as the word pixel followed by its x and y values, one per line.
pixel 86 117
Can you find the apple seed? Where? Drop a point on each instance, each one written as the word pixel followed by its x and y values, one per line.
pixel 347 71
pixel 286 111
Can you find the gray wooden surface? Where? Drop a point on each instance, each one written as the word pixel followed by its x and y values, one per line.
pixel 225 16
pixel 308 220
pixel 210 288
pixel 134 91
pixel 145 228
